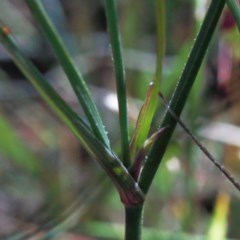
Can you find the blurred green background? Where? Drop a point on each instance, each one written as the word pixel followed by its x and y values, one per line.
pixel 51 188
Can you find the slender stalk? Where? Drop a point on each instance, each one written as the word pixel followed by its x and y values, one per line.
pixel 181 92
pixel 235 9
pixel 160 20
pixel 78 84
pixel 133 222
pixel 114 34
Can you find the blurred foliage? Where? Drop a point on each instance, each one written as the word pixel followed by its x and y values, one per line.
pixel 12 146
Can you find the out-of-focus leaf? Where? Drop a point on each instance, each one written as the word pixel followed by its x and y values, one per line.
pixel 12 146
pixel 235 9
pixel 218 227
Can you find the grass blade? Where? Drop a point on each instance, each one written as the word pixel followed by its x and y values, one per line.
pixel 148 109
pixel 78 84
pixel 182 91
pixel 127 187
pixel 235 9
pixel 120 77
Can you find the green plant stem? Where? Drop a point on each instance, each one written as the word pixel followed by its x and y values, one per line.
pixel 133 222
pixel 78 84
pixel 181 92
pixel 120 77
pixel 160 20
pixel 235 9
pixel 128 189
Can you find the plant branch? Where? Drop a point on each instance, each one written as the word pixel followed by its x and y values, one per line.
pixel 114 34
pixel 181 92
pixel 75 78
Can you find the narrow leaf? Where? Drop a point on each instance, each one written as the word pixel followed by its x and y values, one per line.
pixel 78 84
pixel 120 77
pixel 144 119
pixel 160 22
pixel 127 187
pixel 149 107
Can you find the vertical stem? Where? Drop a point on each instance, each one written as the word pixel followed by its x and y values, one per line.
pixel 160 20
pixel 114 34
pixel 74 76
pixel 133 222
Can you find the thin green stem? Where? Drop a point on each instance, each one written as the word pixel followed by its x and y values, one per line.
pixel 181 92
pixel 114 34
pixel 235 9
pixel 78 84
pixel 160 19
pixel 133 222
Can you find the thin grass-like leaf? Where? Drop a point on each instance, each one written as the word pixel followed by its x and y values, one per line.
pixel 149 107
pixel 181 92
pixel 235 9
pixel 12 146
pixel 160 23
pixel 128 189
pixel 78 84
pixel 120 77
